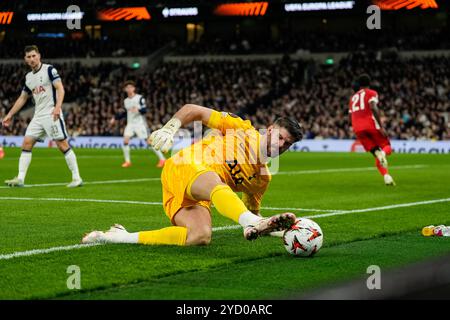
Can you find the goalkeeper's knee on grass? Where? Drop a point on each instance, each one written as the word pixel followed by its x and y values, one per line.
pixel 226 202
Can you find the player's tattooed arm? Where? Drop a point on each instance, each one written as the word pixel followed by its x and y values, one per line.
pixel 20 102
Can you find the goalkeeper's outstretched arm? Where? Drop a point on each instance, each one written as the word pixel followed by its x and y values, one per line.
pixel 192 112
pixel 162 139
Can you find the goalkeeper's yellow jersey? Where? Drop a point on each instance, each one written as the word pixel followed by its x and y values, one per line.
pixel 232 150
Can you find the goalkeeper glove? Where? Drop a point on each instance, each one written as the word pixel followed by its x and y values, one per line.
pixel 162 139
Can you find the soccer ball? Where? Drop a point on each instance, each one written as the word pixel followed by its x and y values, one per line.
pixel 304 238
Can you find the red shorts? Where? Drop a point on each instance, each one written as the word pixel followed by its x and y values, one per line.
pixel 371 139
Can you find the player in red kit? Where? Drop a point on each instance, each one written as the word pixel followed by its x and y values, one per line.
pixel 365 120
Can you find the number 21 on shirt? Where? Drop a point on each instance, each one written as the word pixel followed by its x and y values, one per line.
pixel 358 101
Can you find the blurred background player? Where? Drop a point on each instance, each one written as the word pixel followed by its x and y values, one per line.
pixel 44 83
pixel 234 159
pixel 365 120
pixel 136 108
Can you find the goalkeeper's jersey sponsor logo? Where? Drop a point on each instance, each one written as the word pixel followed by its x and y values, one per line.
pixel 234 170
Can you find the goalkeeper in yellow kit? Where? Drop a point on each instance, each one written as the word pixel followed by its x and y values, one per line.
pixel 232 158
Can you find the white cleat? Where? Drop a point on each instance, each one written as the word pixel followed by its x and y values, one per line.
pixel 381 156
pixel 94 237
pixel 115 234
pixel 388 180
pixel 117 228
pixel 15 182
pixel 267 225
pixel 75 183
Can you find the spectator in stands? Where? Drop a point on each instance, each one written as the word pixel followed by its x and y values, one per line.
pixel 414 93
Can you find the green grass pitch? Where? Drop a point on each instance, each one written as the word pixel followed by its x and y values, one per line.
pixel 43 217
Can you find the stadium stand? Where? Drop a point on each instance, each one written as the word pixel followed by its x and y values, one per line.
pixel 314 93
pixel 320 42
pixel 86 48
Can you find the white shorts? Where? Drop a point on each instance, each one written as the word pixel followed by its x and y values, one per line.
pixel 42 127
pixel 140 131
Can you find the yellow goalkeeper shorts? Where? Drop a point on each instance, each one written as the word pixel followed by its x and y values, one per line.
pixel 175 179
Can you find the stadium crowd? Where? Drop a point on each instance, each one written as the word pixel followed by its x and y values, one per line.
pixel 82 48
pixel 414 93
pixel 289 42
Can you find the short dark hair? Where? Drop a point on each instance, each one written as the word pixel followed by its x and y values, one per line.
pixel 131 82
pixel 364 80
pixel 292 126
pixel 31 48
pixel 355 85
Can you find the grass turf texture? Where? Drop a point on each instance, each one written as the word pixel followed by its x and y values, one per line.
pixel 230 268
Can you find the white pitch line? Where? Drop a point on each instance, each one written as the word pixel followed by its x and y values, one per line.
pixel 230 227
pixel 42 251
pixel 86 182
pixel 142 202
pixel 300 209
pixel 394 206
pixel 417 166
pixel 82 200
pixel 122 181
pixel 77 246
pixel 78 157
pixel 329 213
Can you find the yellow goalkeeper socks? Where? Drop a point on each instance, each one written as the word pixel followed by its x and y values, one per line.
pixel 227 202
pixel 170 235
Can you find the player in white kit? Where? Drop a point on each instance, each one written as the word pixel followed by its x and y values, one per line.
pixel 136 108
pixel 44 84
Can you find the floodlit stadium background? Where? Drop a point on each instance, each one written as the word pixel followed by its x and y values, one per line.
pixel 259 60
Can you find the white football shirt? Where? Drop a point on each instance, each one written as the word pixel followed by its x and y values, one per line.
pixel 40 85
pixel 135 118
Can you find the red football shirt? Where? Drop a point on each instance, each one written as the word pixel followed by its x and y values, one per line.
pixel 362 116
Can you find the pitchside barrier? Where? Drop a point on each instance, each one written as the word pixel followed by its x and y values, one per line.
pixel 325 145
